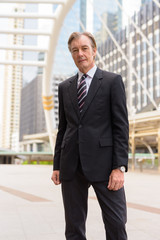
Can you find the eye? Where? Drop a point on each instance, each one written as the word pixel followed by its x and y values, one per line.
pixel 74 50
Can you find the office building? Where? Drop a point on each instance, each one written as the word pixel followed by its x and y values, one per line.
pixel 56 80
pixel 32 119
pixel 33 136
pixel 86 15
pixel 143 2
pixel 141 57
pixel 12 89
pixel 108 14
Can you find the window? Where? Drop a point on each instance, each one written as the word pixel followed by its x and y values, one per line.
pixel 31 147
pixel 40 147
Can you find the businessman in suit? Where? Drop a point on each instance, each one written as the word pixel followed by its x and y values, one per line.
pixel 92 142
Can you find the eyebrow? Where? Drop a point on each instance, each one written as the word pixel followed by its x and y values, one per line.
pixel 81 46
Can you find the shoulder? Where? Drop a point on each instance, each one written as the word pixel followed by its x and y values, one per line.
pixel 109 77
pixel 66 82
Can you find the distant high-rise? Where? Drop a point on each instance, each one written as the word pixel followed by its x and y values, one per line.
pixel 100 8
pixel 32 114
pixel 111 16
pixel 86 15
pixel 145 1
pixel 12 89
pixel 112 22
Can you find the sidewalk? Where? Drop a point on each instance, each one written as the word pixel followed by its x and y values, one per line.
pixel 31 206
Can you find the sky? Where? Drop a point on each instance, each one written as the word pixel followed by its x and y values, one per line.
pixel 130 6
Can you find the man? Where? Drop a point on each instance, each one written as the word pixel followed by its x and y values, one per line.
pixel 92 142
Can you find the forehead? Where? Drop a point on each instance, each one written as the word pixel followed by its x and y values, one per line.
pixel 81 41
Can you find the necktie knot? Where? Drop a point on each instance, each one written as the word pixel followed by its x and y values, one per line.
pixel 82 78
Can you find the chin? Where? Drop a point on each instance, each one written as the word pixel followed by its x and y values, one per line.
pixel 83 65
pixel 82 68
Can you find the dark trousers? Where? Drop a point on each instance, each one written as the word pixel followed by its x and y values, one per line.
pixel 112 203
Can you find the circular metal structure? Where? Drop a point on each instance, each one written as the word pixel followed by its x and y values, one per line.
pixel 56 18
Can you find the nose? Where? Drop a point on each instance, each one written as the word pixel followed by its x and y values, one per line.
pixel 80 52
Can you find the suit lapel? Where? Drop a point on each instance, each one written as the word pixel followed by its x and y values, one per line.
pixel 73 93
pixel 95 84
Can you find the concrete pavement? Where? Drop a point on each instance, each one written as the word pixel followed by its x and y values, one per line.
pixel 31 206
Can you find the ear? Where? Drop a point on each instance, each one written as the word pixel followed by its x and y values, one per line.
pixel 94 52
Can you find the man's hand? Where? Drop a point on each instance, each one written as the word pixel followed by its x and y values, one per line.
pixel 116 180
pixel 55 177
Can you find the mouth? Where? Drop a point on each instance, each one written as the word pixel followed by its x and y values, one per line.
pixel 81 60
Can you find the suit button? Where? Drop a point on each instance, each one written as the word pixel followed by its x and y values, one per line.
pixel 80 126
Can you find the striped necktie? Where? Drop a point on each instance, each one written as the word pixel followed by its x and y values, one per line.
pixel 82 92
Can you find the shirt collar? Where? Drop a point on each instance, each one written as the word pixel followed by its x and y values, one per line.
pixel 90 73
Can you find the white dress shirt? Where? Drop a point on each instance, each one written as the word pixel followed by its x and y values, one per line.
pixel 90 75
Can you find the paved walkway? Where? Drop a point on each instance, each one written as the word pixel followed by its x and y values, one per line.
pixel 31 206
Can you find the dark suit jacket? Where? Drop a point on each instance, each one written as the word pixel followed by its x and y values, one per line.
pixel 99 135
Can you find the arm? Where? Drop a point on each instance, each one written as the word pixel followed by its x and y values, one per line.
pixel 120 133
pixel 120 126
pixel 60 134
pixel 61 130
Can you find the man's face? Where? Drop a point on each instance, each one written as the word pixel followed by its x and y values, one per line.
pixel 83 53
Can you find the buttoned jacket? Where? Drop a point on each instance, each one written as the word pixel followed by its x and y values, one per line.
pixel 98 137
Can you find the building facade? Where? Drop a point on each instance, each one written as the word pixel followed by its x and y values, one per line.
pixel 86 15
pixel 32 119
pixel 56 80
pixel 12 89
pixel 141 59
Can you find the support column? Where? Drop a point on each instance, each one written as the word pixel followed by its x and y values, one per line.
pixel 159 149
pixel 133 151
pixel 130 76
pixel 34 147
pixel 13 159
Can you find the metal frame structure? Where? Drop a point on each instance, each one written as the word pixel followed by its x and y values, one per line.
pixel 132 71
pixel 145 131
pixel 57 21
